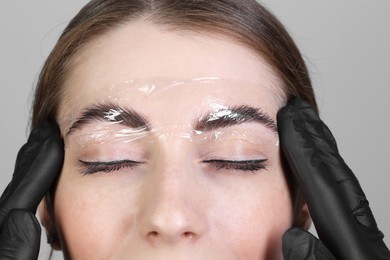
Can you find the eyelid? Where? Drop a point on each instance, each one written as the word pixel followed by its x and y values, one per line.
pixel 106 167
pixel 239 165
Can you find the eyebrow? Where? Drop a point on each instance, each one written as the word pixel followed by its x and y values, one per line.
pixel 235 115
pixel 225 117
pixel 111 113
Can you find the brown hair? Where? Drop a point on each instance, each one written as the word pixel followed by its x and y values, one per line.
pixel 246 21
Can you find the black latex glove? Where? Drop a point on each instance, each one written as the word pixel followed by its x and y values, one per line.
pixel 339 209
pixel 37 165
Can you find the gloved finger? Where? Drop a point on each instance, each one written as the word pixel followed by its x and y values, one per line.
pixel 39 134
pixel 331 190
pixel 300 244
pixel 20 236
pixel 38 164
pixel 326 148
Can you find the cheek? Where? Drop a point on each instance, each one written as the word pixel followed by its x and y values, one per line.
pixel 86 209
pixel 254 218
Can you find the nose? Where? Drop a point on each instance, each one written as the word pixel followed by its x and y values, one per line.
pixel 171 210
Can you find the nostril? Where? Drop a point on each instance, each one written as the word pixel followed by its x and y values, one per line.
pixel 152 235
pixel 188 235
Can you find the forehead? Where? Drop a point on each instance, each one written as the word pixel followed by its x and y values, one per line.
pixel 143 50
pixel 139 50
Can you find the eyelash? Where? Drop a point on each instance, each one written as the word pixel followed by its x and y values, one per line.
pixel 107 167
pixel 246 165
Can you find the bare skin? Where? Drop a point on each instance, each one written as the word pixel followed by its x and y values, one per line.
pixel 175 202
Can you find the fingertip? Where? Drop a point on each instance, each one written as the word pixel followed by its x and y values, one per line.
pixel 295 103
pixel 296 244
pixel 44 130
pixel 296 235
pixel 20 235
pixel 20 225
pixel 300 244
pixel 298 103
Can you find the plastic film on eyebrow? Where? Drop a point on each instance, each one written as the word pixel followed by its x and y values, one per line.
pixel 160 110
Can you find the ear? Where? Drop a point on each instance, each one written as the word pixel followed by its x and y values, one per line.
pixel 46 217
pixel 302 217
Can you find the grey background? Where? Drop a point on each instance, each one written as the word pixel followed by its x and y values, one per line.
pixel 346 45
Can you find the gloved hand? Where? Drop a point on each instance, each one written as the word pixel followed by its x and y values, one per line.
pixel 37 165
pixel 339 209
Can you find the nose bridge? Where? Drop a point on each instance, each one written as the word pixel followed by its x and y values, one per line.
pixel 169 211
pixel 170 179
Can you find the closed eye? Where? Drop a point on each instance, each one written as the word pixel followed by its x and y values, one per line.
pixel 239 165
pixel 111 166
pixel 107 167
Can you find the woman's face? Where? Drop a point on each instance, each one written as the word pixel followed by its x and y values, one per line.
pixel 171 150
